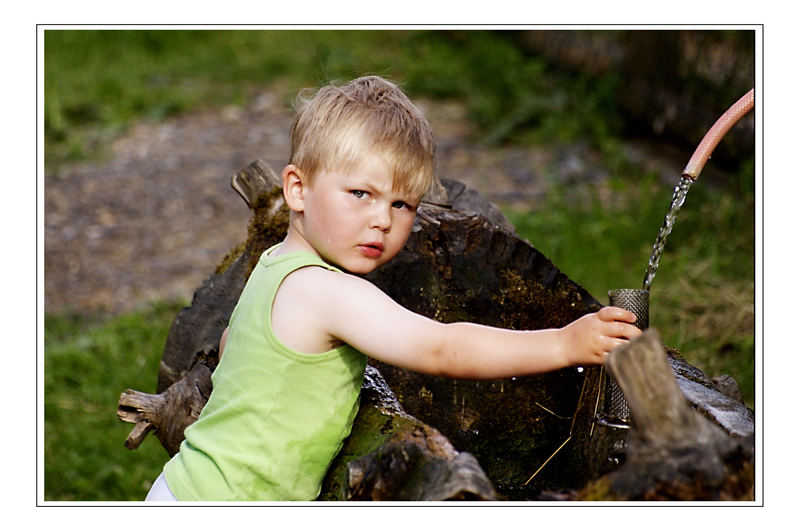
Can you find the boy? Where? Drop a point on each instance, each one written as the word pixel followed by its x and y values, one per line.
pixel 286 389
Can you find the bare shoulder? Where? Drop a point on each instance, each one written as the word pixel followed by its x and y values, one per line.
pixel 309 303
pixel 317 308
pixel 329 293
pixel 317 282
pixel 298 310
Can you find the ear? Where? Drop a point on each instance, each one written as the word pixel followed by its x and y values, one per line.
pixel 294 183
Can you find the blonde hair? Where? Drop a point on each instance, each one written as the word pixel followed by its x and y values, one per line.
pixel 339 126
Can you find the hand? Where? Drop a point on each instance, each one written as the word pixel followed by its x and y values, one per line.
pixel 589 339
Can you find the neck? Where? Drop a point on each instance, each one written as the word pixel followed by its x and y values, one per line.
pixel 295 241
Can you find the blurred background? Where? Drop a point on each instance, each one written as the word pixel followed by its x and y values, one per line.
pixel 579 136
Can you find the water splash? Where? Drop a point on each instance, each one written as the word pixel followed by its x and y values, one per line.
pixel 678 196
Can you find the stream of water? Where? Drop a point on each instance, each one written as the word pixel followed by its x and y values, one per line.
pixel 678 196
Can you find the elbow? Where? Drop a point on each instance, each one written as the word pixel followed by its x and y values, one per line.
pixel 451 350
pixel 442 355
pixel 449 360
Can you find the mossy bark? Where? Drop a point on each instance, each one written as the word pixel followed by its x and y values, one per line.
pixel 462 262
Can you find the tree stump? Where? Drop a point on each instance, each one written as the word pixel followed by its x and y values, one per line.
pixel 673 451
pixel 391 455
pixel 462 262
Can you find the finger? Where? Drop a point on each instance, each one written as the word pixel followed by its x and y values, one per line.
pixel 605 345
pixel 625 330
pixel 617 342
pixel 612 343
pixel 613 313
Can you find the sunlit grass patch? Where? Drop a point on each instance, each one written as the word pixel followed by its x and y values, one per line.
pixel 88 362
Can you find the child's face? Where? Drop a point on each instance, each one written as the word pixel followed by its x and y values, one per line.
pixel 354 219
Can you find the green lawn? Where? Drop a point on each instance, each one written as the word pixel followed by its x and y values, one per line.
pixel 88 362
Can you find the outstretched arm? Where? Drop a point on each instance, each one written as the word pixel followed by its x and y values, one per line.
pixel 475 351
pixel 354 311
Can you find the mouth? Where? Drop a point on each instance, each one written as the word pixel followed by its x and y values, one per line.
pixel 371 249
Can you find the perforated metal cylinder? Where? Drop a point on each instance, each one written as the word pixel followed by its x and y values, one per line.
pixel 633 300
pixel 616 410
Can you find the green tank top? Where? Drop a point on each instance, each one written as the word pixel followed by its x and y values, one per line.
pixel 276 418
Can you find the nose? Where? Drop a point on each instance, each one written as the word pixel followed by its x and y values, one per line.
pixel 381 217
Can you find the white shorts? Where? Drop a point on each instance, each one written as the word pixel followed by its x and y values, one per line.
pixel 160 491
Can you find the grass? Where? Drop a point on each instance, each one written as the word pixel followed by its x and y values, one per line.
pixel 97 83
pixel 702 298
pixel 88 362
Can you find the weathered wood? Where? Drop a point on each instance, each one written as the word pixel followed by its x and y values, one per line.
pixel 197 329
pixel 671 448
pixel 414 461
pixel 461 262
pixel 659 409
pixel 169 413
pixel 391 455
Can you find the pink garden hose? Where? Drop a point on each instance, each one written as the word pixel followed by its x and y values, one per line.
pixel 715 134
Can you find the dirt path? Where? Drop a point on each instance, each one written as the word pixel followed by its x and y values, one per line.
pixel 153 220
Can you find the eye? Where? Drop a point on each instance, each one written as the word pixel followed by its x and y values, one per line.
pixel 403 205
pixel 359 194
